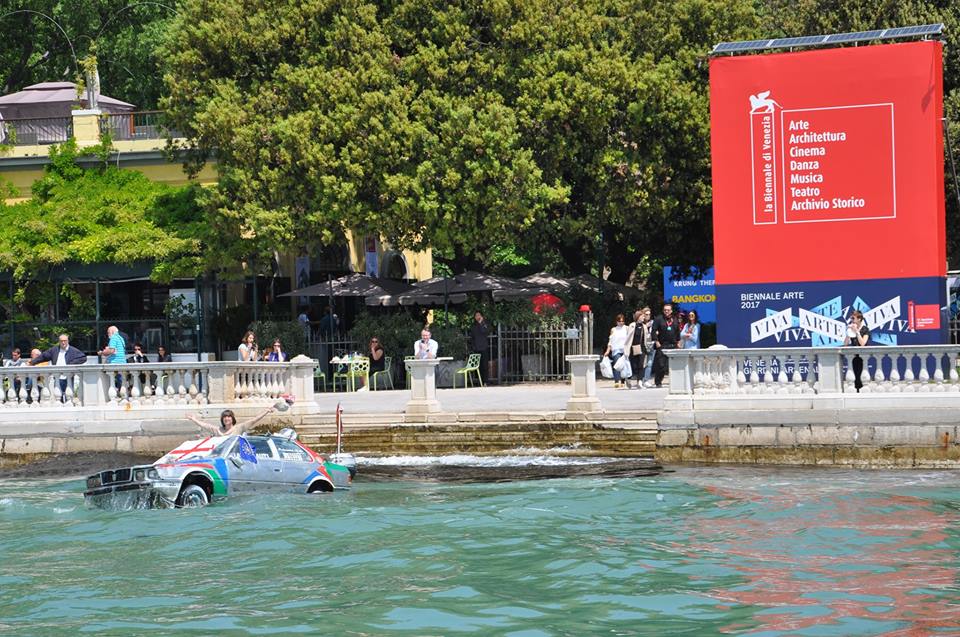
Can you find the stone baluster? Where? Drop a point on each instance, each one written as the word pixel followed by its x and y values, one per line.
pixel 954 376
pixel 767 387
pixel 35 391
pixel 147 390
pixel 741 377
pixel 909 384
pixel 782 379
pixel 938 374
pixel 895 379
pixel 192 390
pixel 881 384
pixel 181 387
pixel 797 378
pixel 924 377
pixel 135 390
pixel 14 397
pixel 754 375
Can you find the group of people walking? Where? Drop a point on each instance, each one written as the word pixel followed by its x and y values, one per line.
pixel 644 341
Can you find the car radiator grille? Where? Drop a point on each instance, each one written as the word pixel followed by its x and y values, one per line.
pixel 114 477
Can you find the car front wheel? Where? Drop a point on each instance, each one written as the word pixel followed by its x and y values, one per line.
pixel 193 496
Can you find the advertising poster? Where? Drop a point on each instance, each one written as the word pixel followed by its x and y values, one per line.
pixel 371 262
pixel 691 292
pixel 829 195
pixel 302 268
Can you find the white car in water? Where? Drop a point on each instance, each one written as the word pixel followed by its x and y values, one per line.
pixel 201 471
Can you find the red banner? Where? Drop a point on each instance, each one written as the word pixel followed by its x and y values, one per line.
pixel 828 165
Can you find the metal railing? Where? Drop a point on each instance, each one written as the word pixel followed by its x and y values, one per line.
pixel 136 125
pixel 34 131
pixel 324 346
pixel 527 355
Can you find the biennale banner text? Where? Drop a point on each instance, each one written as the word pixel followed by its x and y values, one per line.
pixel 828 195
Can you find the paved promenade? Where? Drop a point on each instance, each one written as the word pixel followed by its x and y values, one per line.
pixel 513 398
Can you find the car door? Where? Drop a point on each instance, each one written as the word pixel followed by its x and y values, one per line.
pixel 266 469
pixel 298 465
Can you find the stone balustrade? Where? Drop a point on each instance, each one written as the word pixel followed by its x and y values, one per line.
pixel 134 385
pixel 772 371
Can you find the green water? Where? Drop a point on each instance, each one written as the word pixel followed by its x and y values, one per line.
pixel 702 551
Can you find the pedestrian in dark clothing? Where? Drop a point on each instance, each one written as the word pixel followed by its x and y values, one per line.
pixel 638 350
pixel 666 335
pixel 480 343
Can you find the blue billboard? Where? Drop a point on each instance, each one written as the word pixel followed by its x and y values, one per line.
pixel 693 291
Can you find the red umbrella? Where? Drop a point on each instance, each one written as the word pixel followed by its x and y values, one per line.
pixel 549 302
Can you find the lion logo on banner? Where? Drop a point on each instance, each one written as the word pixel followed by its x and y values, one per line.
pixel 762 103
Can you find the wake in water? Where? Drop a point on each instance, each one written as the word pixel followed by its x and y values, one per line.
pixel 527 466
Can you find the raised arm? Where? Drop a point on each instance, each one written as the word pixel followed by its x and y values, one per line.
pixel 204 425
pixel 242 427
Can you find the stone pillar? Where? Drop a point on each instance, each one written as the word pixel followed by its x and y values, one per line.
pixel 94 391
pixel 423 385
pixel 301 379
pixel 86 127
pixel 220 383
pixel 681 370
pixel 583 382
pixel 828 368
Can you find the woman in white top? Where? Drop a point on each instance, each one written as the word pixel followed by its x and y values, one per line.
pixel 248 347
pixel 620 335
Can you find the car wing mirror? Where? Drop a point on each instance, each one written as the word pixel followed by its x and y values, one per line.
pixel 237 462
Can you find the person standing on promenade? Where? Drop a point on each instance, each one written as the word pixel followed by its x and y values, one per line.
pixel 648 345
pixel 690 334
pixel 116 349
pixel 638 350
pixel 63 353
pixel 15 361
pixel 666 335
pixel 115 352
pixel 620 336
pixel 858 335
pixel 247 350
pixel 426 347
pixel 480 343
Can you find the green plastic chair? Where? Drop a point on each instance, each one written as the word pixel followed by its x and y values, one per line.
pixel 358 368
pixel 322 376
pixel 387 366
pixel 473 365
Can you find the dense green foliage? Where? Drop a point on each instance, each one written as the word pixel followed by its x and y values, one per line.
pixel 499 133
pixel 494 132
pixel 126 35
pixel 106 215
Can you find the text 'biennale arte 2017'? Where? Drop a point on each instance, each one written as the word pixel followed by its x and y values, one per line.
pixel 828 195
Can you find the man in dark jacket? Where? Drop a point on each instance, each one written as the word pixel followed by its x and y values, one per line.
pixel 480 343
pixel 666 335
pixel 61 354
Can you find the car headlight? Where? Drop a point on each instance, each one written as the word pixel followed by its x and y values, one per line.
pixel 153 474
pixel 139 475
pixel 93 482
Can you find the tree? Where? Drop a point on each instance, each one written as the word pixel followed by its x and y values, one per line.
pixel 34 49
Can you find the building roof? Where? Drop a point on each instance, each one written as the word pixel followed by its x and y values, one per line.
pixel 52 99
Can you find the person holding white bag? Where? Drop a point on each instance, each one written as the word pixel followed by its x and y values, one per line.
pixel 620 335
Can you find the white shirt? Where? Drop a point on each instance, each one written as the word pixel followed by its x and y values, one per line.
pixel 428 350
pixel 618 338
pixel 61 359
